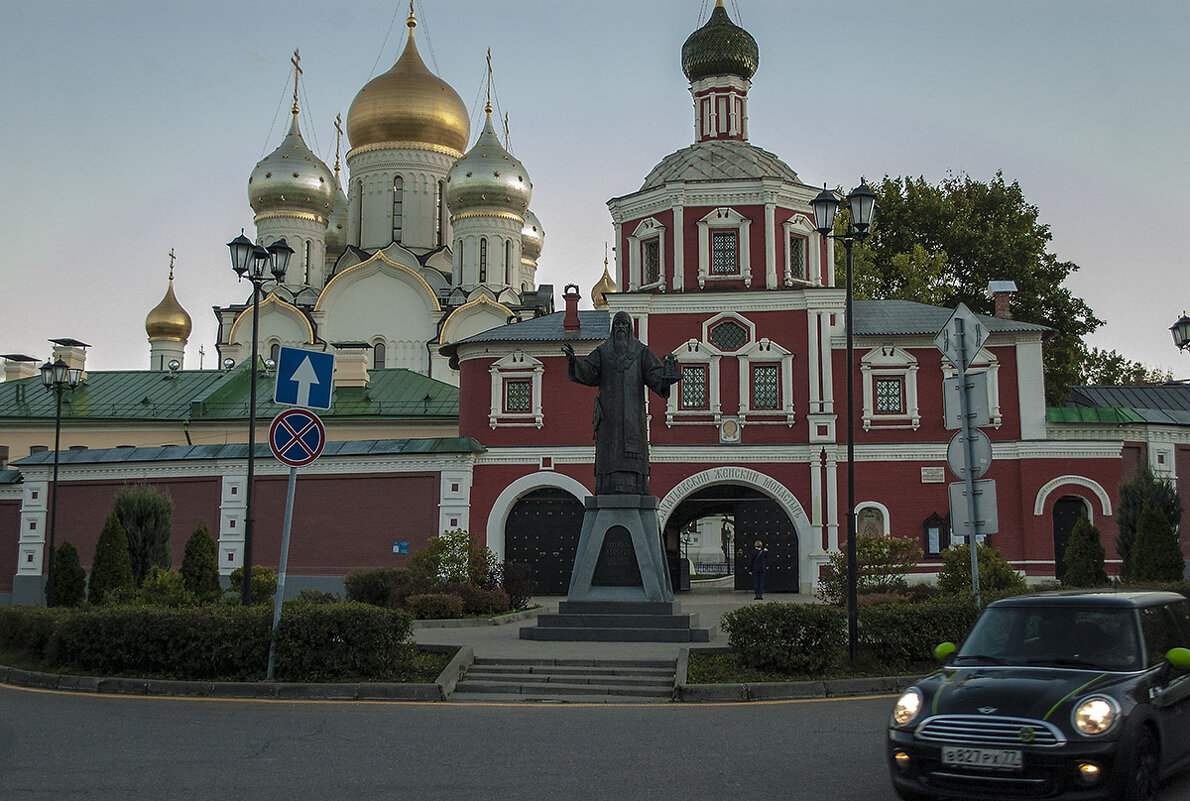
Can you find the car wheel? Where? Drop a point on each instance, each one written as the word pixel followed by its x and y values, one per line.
pixel 1143 771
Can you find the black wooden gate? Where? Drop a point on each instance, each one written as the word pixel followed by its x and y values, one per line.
pixel 542 531
pixel 763 519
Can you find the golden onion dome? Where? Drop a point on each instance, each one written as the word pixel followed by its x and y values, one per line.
pixel 532 237
pixel 409 106
pixel 488 178
pixel 168 320
pixel 605 286
pixel 292 179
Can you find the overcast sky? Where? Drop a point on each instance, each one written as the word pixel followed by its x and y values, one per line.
pixel 129 127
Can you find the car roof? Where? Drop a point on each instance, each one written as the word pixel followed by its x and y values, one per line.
pixel 1104 598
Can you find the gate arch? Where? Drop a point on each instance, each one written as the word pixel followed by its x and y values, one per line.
pixel 537 520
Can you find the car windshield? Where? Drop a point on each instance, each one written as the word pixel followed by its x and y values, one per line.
pixel 1057 636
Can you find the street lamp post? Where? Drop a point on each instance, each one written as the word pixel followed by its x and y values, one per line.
pixel 249 260
pixel 56 377
pixel 1181 332
pixel 862 201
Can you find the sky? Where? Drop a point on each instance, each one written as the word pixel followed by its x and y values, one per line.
pixel 130 127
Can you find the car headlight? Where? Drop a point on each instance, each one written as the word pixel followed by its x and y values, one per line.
pixel 907 707
pixel 1096 715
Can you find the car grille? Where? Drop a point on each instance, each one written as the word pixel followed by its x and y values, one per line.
pixel 987 730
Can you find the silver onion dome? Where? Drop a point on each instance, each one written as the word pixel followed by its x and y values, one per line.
pixel 292 179
pixel 488 177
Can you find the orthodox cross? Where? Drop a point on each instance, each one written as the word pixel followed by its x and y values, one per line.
pixel 338 140
pixel 297 71
pixel 171 264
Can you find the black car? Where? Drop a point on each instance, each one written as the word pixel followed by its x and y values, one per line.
pixel 1057 696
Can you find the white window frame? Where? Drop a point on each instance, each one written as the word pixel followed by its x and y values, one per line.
pixel 799 225
pixel 648 229
pixel 723 218
pixel 693 352
pixel 888 361
pixel 765 351
pixel 516 365
pixel 984 362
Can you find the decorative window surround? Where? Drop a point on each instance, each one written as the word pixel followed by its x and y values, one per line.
pixel 877 513
pixel 984 362
pixel 890 362
pixel 516 367
pixel 801 227
pixel 723 218
pixel 648 230
pixel 694 352
pixel 765 351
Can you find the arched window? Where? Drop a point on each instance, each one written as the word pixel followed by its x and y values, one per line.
pixel 274 352
pixel 307 265
pixel 508 262
pixel 398 202
pixel 359 213
pixel 378 356
pixel 483 260
pixel 440 212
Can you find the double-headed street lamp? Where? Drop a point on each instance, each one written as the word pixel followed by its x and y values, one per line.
pixel 56 377
pixel 250 261
pixel 862 201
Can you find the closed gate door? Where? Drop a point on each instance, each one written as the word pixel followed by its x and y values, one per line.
pixel 763 519
pixel 1067 511
pixel 542 531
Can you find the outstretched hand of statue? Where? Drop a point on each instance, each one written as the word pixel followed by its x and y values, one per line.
pixel 569 351
pixel 671 372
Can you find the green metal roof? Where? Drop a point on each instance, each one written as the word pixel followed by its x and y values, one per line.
pixel 208 395
pixel 1092 414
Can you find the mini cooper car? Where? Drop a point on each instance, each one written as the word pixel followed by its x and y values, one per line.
pixel 1057 696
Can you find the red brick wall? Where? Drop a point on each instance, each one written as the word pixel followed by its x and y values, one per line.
pixel 10 534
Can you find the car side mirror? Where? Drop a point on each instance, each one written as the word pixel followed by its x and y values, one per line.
pixel 1179 658
pixel 944 650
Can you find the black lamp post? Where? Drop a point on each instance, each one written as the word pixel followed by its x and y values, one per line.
pixel 1181 332
pixel 56 377
pixel 249 261
pixel 863 203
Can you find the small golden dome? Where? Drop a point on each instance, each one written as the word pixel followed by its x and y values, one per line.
pixel 168 320
pixel 606 285
pixel 409 104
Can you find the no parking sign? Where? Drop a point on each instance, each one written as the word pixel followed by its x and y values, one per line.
pixel 297 437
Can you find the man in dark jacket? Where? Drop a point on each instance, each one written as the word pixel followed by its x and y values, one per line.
pixel 756 566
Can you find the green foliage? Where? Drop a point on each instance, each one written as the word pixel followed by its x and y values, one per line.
pixel 801 638
pixel 377 586
pixel 311 596
pixel 1084 557
pixel 517 580
pixel 1160 494
pixel 344 641
pixel 1109 368
pixel 435 606
pixel 996 576
pixel 1156 554
pixel 479 601
pixel 263 585
pixel 145 512
pixel 165 588
pixel 111 569
pixel 881 562
pixel 27 629
pixel 452 558
pixel 200 566
pixel 941 244
pixel 69 584
pixel 903 636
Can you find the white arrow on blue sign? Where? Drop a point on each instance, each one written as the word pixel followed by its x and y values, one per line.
pixel 304 378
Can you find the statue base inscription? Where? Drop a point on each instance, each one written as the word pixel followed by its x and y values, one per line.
pixel 619 554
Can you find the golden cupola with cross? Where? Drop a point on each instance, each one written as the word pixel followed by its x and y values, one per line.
pixel 168 326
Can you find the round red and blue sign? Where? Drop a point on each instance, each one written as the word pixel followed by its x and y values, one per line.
pixel 297 437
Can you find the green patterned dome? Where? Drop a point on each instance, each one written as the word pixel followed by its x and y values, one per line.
pixel 719 48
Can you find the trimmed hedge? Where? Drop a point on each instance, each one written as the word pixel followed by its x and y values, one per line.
pixel 28 629
pixel 435 606
pixel 791 638
pixel 341 641
pixel 903 636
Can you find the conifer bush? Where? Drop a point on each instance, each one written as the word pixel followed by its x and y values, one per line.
pixel 1156 554
pixel 111 569
pixel 145 513
pixel 69 585
pixel 200 566
pixel 1084 557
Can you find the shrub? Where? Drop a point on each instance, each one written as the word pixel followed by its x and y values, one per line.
pixel 263 585
pixel 996 576
pixel 903 636
pixel 200 566
pixel 452 558
pixel 69 584
pixel 145 512
pixel 802 639
pixel 1084 557
pixel 517 580
pixel 27 629
pixel 1156 554
pixel 1160 494
pixel 375 586
pixel 111 569
pixel 166 588
pixel 334 642
pixel 478 601
pixel 881 563
pixel 311 596
pixel 435 606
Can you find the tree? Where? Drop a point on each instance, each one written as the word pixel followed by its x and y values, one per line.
pixel 145 513
pixel 69 587
pixel 942 245
pixel 200 565
pixel 1109 368
pixel 1156 554
pixel 1084 557
pixel 881 565
pixel 1160 494
pixel 995 574
pixel 111 569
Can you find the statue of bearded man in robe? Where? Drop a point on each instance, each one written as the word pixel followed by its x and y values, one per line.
pixel 622 367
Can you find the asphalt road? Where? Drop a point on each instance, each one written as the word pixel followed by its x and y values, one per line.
pixel 63 746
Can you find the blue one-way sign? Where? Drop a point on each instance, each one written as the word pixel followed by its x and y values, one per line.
pixel 304 378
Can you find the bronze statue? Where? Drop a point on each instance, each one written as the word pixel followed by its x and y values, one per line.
pixel 622 367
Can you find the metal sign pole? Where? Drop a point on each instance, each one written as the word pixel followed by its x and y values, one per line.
pixel 969 474
pixel 279 598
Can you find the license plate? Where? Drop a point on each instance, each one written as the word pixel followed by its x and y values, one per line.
pixel 993 758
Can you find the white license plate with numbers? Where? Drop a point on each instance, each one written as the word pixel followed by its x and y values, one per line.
pixel 993 758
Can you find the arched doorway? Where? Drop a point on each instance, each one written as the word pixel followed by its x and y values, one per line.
pixel 542 530
pixel 1067 510
pixel 750 515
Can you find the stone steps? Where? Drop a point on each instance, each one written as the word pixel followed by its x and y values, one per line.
pixel 616 621
pixel 567 680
